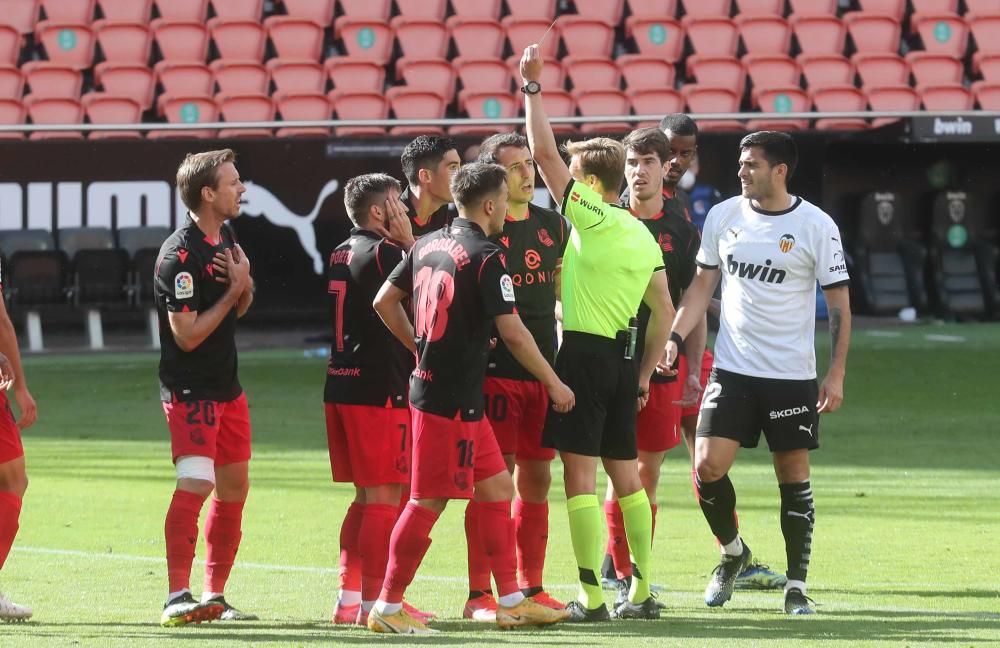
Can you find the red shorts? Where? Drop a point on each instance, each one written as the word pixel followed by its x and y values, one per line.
pixel 219 430
pixel 10 435
pixel 658 426
pixel 516 409
pixel 369 445
pixel 706 368
pixel 450 456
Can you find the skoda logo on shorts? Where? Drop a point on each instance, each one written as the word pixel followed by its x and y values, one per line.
pixel 786 243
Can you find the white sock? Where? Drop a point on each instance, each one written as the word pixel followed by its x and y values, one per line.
pixel 208 596
pixel 510 600
pixel 794 584
pixel 349 597
pixel 172 595
pixel 367 605
pixel 734 548
pixel 386 609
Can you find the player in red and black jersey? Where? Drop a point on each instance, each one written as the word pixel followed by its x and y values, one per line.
pixel 533 240
pixel 429 162
pixel 459 288
pixel 202 285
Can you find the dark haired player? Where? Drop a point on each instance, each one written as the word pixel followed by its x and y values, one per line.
pixel 429 162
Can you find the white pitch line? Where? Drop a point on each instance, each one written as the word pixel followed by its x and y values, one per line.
pixel 885 334
pixel 937 337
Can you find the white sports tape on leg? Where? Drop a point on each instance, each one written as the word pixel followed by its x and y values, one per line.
pixel 194 467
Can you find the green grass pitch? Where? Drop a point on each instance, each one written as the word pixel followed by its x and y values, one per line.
pixel 907 495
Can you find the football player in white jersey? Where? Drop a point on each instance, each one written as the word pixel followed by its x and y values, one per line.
pixel 769 248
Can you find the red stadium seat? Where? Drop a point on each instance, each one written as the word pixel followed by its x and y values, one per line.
pixel 67 44
pixel 559 103
pixel 436 75
pixel 522 32
pixel 609 11
pixel 987 94
pixel 102 108
pixel 10 45
pixel 592 73
pixel 238 77
pixel 826 70
pixel 134 11
pixel 553 73
pixel 601 103
pixel 427 9
pixel 365 38
pixel 891 98
pixel 656 36
pixel 319 11
pixel 935 69
pixel 653 7
pixel 489 9
pixel 717 72
pixel 194 10
pixel 482 104
pixel 477 37
pixel 238 39
pixel 373 9
pixel 239 9
pixel 986 32
pixel 819 34
pixel 765 34
pixel 894 8
pixel 544 9
pixel 245 108
pixel 47 79
pixel 935 6
pixel 760 7
pixel 712 100
pixel 181 109
pixel 124 42
pixel 137 82
pixel 982 7
pixel 781 100
pixel 421 38
pixel 881 69
pixel 873 32
pixel 350 104
pixel 946 97
pixel 12 112
pixel 584 36
pixel 181 40
pixel 414 103
pixel 845 98
pixel 294 76
pixel 654 101
pixel 54 110
pixel 303 106
pixel 989 67
pixel 187 79
pixel 641 72
pixel 11 82
pixel 20 14
pixel 772 71
pixel 944 34
pixel 69 11
pixel 712 36
pixel 295 38
pixel 482 74
pixel 813 7
pixel 355 74
pixel 707 8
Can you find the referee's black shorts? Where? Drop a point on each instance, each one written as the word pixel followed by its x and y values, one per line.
pixel 606 385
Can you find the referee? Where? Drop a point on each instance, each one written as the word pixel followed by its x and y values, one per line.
pixel 611 265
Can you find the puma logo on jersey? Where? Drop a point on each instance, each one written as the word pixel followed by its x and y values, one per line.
pixel 763 273
pixel 791 411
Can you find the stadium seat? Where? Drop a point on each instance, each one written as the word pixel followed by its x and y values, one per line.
pixel 25 240
pixel 303 106
pixel 873 32
pixel 592 73
pixel 609 11
pixel 544 9
pixel 653 7
pixel 986 32
pixel 52 80
pixel 483 104
pixel 709 8
pixel 477 37
pixel 69 11
pixel 987 94
pixel 67 43
pixel 21 15
pixel 935 69
pixel 351 104
pixel 133 11
pixel 953 96
pixel 717 72
pixel 654 101
pixel 124 42
pixel 12 82
pixel 319 11
pixel 641 72
pixel 295 38
pixel 584 36
pixel 656 36
pixel 178 40
pixel 712 36
pixel 54 110
pixel 819 34
pixel 102 108
pixel 826 70
pixel 553 73
pixel 945 34
pixel 522 32
pixel 142 245
pixel 181 109
pixel 488 75
pixel 371 9
pixel 354 74
pixel 935 6
pixel 137 82
pixel 35 278
pixel 885 97
pixel 240 77
pixel 435 75
pixel 421 38
pixel 765 34
pixel 365 38
pixel 185 10
pixel 844 98
pixel 414 103
pixel 426 9
pixel 238 40
pixel 963 260
pixel 713 100
pixel 600 103
pixel 982 7
pixel 881 69
pixel 179 78
pixel 772 71
pixel 10 45
pixel 760 8
pixel 12 112
pixel 781 100
pixel 989 67
pixel 489 9
pixel 893 8
pixel 813 7
pixel 99 269
pixel 239 9
pixel 245 108
pixel 558 103
pixel 297 76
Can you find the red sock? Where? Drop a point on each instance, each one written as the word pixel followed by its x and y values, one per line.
pixel 617 542
pixel 479 562
pixel 181 532
pixel 350 554
pixel 222 541
pixel 10 511
pixel 496 530
pixel 373 538
pixel 654 508
pixel 531 526
pixel 410 539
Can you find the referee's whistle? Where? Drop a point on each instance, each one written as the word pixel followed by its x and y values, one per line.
pixel 633 333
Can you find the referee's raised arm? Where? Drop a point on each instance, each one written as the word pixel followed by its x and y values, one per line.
pixel 544 150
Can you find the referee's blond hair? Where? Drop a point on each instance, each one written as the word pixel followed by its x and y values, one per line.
pixel 602 157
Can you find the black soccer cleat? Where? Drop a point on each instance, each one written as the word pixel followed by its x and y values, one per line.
pixel 798 603
pixel 648 609
pixel 720 588
pixel 230 613
pixel 580 614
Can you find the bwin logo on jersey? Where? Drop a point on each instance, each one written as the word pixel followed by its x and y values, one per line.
pixel 763 273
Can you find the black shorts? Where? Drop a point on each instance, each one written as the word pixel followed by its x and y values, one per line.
pixel 740 407
pixel 606 385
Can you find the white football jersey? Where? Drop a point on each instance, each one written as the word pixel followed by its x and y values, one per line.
pixel 770 262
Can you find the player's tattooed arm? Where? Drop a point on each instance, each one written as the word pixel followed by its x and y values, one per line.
pixel 831 392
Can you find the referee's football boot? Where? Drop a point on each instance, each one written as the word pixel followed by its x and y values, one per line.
pixel 798 603
pixel 720 587
pixel 648 609
pixel 609 578
pixel 184 609
pixel 11 612
pixel 579 614
pixel 759 576
pixel 230 613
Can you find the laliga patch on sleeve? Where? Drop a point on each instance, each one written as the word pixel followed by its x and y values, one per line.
pixel 183 285
pixel 507 288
